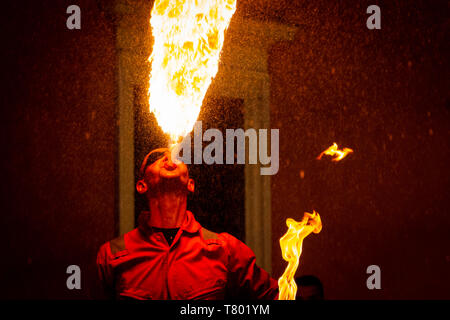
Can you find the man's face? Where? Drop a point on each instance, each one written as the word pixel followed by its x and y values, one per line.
pixel 158 170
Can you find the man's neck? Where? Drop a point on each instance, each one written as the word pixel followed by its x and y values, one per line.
pixel 167 210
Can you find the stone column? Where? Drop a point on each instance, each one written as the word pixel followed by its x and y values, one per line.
pixel 133 43
pixel 243 73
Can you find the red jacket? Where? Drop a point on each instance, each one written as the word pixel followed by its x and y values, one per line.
pixel 199 264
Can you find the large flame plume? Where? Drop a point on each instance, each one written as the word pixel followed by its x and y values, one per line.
pixel 291 248
pixel 335 152
pixel 188 38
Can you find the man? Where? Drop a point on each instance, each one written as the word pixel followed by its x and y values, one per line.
pixel 170 255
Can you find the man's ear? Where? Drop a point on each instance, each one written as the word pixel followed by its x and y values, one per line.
pixel 141 186
pixel 191 185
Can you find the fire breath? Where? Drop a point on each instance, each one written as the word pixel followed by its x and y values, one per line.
pixel 213 152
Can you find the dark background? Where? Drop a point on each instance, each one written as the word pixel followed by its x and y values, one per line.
pixel 384 93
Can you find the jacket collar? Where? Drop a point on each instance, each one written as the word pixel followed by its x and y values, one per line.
pixel 189 224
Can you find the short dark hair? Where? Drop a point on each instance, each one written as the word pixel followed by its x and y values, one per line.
pixel 150 158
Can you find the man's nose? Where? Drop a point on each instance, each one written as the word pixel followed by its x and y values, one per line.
pixel 168 159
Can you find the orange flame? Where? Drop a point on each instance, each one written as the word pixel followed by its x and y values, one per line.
pixel 188 38
pixel 291 248
pixel 334 151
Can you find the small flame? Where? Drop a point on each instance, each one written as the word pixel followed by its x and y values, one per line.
pixel 334 151
pixel 188 38
pixel 291 248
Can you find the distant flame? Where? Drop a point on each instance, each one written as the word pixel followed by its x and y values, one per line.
pixel 188 37
pixel 334 151
pixel 291 248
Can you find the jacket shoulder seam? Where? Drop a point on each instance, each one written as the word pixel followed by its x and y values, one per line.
pixel 208 235
pixel 117 244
